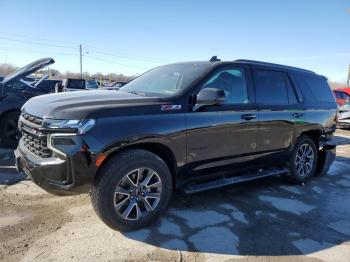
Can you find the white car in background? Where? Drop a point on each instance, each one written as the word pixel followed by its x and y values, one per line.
pixel 344 115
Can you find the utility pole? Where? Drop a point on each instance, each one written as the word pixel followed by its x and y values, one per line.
pixel 81 61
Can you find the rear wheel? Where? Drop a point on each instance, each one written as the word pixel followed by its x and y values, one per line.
pixel 303 161
pixel 132 190
pixel 9 129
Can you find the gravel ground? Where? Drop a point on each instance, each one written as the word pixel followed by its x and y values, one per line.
pixel 257 221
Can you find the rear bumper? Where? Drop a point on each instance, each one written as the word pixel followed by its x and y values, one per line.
pixel 62 176
pixel 326 157
pixel 343 123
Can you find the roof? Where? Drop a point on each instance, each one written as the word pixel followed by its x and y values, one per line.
pixel 253 62
pixel 248 62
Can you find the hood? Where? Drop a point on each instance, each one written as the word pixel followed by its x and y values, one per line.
pixel 86 104
pixel 27 70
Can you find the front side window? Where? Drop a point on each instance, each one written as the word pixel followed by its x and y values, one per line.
pixel 233 83
pixel 271 87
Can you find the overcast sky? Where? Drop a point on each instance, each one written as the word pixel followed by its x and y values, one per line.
pixel 132 36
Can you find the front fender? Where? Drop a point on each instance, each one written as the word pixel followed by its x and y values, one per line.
pixel 168 130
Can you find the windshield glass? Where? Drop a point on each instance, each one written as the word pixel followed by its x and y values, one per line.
pixel 18 85
pixel 166 80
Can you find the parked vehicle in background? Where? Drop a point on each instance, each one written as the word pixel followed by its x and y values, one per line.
pixel 113 86
pixel 47 85
pixel 344 115
pixel 194 125
pixel 341 97
pixel 71 84
pixel 118 84
pixel 344 89
pixel 13 94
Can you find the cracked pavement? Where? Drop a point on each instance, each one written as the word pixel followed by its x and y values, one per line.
pixel 267 219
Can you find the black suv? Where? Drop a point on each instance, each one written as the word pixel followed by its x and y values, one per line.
pixel 194 125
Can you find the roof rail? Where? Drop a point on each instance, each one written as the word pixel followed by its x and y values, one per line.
pixel 273 65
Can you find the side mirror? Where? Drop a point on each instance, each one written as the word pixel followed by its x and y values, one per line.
pixel 209 97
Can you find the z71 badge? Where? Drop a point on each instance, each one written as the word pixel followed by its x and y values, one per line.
pixel 170 107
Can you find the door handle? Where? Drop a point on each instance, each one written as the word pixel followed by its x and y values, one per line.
pixel 248 116
pixel 297 115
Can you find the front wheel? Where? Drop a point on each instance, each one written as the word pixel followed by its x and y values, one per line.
pixel 303 161
pixel 132 190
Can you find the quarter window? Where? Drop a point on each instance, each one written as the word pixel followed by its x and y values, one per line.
pixel 233 83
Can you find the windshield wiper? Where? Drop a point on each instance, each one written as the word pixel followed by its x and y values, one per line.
pixel 137 93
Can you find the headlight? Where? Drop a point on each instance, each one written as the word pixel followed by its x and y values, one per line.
pixel 79 126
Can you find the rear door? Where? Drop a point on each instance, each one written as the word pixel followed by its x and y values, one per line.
pixel 279 110
pixel 222 135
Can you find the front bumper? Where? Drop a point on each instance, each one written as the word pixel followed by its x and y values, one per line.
pixel 72 174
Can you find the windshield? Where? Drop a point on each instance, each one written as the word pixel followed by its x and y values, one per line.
pixel 166 80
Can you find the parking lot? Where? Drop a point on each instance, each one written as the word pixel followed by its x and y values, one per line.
pixel 262 220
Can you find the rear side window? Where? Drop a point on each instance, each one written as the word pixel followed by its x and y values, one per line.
pixel 318 86
pixel 273 88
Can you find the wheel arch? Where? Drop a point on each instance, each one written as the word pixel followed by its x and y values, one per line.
pixel 314 134
pixel 3 113
pixel 159 149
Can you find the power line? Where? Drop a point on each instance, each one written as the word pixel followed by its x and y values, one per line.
pixel 36 43
pixel 116 63
pixel 11 49
pixel 123 55
pixel 38 38
pixel 92 48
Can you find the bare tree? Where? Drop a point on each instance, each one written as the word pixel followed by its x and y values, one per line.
pixel 6 69
pixel 335 84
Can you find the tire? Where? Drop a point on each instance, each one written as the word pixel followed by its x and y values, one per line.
pixel 9 129
pixel 120 175
pixel 303 165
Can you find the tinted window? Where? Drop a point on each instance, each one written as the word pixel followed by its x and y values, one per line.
pixel 76 84
pixel 318 86
pixel 91 84
pixel 271 87
pixel 292 98
pixel 233 82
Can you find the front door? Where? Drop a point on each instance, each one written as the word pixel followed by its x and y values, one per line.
pixel 223 135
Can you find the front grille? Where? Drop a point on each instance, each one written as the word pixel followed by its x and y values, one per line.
pixel 33 138
pixel 36 145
